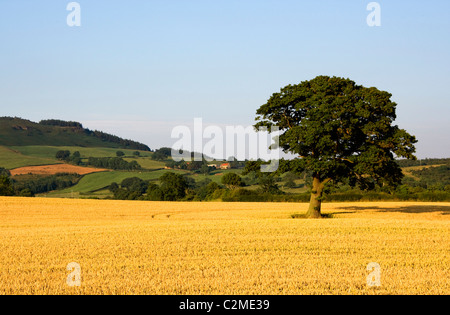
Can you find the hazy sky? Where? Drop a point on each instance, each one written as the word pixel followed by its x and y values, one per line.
pixel 138 68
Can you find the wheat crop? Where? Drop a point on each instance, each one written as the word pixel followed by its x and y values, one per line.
pixel 221 248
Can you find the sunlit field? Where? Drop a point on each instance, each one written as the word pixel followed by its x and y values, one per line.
pixel 222 248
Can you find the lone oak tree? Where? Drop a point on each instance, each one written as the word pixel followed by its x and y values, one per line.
pixel 342 133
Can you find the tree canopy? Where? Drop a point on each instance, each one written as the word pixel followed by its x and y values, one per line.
pixel 6 188
pixel 173 186
pixel 162 154
pixel 340 131
pixel 232 180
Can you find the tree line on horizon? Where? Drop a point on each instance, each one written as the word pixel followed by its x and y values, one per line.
pixel 433 185
pixel 114 163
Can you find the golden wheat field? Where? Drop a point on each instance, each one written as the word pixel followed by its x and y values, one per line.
pixel 222 248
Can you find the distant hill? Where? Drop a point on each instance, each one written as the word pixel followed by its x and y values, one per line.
pixel 16 131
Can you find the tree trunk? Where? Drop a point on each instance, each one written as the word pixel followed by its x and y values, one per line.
pixel 315 203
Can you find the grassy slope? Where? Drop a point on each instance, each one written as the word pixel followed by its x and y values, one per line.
pixel 50 151
pixel 408 170
pixel 22 132
pixel 98 181
pixel 20 156
pixel 147 163
pixel 11 159
pixel 93 185
pixel 35 134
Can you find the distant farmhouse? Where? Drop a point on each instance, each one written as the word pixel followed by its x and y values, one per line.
pixel 225 166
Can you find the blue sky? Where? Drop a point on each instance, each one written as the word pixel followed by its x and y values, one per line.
pixel 139 68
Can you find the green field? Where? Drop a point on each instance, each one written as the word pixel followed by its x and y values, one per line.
pixel 147 163
pixel 11 159
pixel 216 176
pixel 21 156
pixel 22 132
pixel 92 183
pixel 95 185
pixel 49 152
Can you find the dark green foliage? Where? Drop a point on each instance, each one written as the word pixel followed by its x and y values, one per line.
pixel 120 154
pixel 76 158
pixel 242 195
pixel 114 163
pixel 252 167
pixel 6 188
pixel 206 191
pixel 113 187
pixel 162 154
pixel 232 180
pixel 423 162
pixel 63 155
pixel 235 164
pixel 43 184
pixel 26 193
pixel 123 194
pixel 181 165
pixel 432 178
pixel 341 132
pixel 5 172
pixel 251 178
pixel 61 123
pixel 205 169
pixel 134 184
pixel 132 188
pixel 173 186
pixel 194 165
pixel 290 184
pixel 268 184
pixel 154 193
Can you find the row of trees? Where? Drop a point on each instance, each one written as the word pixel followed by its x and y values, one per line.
pixel 66 156
pixel 176 187
pixel 432 179
pixel 423 162
pixel 28 186
pixel 113 163
pixel 201 167
pixel 6 188
pixel 121 154
pixel 172 187
pixel 31 185
pixel 61 123
pixel 164 154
